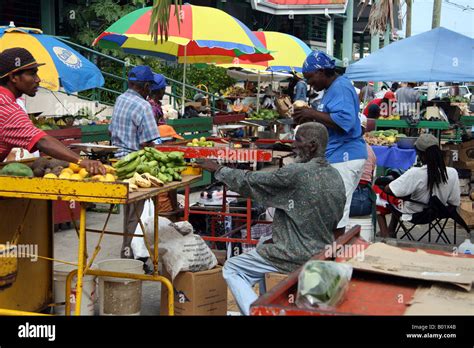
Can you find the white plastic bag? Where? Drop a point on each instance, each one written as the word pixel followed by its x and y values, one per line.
pixel 138 244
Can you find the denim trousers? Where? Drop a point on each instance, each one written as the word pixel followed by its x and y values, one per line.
pixel 244 271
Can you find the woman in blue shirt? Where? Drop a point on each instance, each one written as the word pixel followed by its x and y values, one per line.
pixel 338 111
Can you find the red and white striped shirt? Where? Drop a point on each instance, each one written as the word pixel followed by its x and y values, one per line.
pixel 16 129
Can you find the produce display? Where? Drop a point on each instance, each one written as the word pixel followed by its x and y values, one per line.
pixel 83 117
pixel 200 142
pixel 235 91
pixel 16 169
pixel 165 167
pixel 264 114
pixel 382 138
pixel 56 169
pixel 140 169
pixel 394 117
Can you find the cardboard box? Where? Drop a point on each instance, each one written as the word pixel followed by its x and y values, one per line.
pixel 466 210
pixel 198 293
pixel 466 151
pixel 464 165
pixel 272 279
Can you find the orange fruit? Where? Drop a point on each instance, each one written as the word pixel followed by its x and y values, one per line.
pixel 74 167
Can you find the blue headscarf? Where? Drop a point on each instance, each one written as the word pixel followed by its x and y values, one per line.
pixel 318 60
pixel 159 82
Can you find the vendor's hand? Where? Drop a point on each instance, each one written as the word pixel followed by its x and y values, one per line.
pixel 93 167
pixel 208 164
pixel 303 115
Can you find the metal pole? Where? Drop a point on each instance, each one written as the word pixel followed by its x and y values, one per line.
pixel 347 32
pixel 184 81
pixel 386 37
pixel 436 14
pixel 156 231
pixel 330 37
pixel 361 46
pixel 81 258
pixel 374 46
pixel 258 90
pixel 434 24
pixel 408 25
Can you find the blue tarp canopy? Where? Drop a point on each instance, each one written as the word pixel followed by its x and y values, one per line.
pixel 434 56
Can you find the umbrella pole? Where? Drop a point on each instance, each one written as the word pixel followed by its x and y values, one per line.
pixel 258 91
pixel 184 81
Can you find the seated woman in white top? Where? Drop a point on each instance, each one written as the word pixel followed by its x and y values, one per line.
pixel 432 179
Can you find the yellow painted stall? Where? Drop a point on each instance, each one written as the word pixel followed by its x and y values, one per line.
pixel 32 289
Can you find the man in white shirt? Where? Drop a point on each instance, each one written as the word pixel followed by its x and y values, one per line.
pixel 432 179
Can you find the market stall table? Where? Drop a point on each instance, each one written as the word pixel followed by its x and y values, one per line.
pixel 90 192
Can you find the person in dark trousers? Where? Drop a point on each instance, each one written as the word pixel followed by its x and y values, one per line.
pixel 133 127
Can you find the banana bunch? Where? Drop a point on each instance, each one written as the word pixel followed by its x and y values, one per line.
pixel 164 166
pixel 145 180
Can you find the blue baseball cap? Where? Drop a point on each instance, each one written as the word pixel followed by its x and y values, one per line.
pixel 141 73
pixel 159 82
pixel 318 60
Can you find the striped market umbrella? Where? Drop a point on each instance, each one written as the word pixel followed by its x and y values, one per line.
pixel 64 67
pixel 288 52
pixel 205 35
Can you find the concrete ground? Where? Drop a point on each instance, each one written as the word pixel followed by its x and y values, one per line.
pixel 66 244
pixel 66 248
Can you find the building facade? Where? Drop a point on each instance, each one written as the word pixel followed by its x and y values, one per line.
pixel 330 25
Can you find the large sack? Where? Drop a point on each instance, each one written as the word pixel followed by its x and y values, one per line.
pixel 180 249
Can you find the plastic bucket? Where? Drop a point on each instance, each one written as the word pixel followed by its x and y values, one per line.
pixel 120 296
pixel 61 272
pixel 366 226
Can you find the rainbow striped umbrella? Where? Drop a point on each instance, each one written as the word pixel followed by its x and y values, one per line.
pixel 64 66
pixel 288 52
pixel 206 35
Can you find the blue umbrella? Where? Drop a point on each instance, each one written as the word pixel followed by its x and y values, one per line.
pixel 434 56
pixel 64 67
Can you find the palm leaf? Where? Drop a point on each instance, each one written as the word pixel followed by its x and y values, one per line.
pixel 380 14
pixel 160 17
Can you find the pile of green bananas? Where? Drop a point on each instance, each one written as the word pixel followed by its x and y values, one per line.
pixel 164 166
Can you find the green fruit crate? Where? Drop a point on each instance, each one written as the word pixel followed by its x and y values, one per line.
pixel 440 125
pixel 190 128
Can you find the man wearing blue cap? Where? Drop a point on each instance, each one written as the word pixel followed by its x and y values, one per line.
pixel 338 111
pixel 133 127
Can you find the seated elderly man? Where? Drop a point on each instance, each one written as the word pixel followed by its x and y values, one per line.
pixel 308 197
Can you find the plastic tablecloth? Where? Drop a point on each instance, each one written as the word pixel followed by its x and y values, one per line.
pixel 394 157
